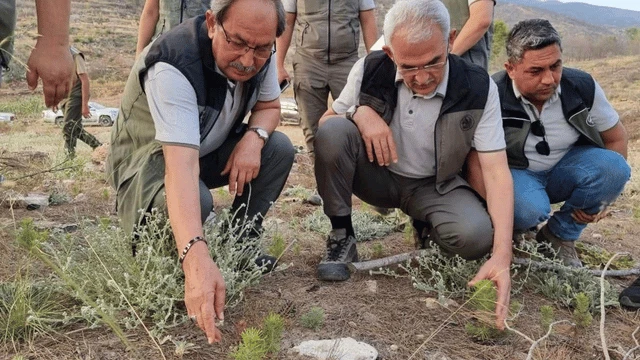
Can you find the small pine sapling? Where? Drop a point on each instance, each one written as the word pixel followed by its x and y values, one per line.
pixel 272 332
pixel 252 347
pixel 314 319
pixel 546 316
pixel 581 312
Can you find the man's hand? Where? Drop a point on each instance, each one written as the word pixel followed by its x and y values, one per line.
pixel 377 136
pixel 583 218
pixel 496 269
pixel 244 163
pixel 283 74
pixel 52 63
pixel 85 111
pixel 204 291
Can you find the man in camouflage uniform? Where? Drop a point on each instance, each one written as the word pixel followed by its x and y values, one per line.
pixel 76 106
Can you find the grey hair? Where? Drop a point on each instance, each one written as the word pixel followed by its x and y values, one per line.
pixel 416 17
pixel 532 34
pixel 221 7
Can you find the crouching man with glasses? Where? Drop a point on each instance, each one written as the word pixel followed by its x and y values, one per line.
pixel 180 132
pixel 398 136
pixel 565 142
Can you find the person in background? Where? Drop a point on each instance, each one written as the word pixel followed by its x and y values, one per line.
pixel 76 106
pixel 158 16
pixel 327 42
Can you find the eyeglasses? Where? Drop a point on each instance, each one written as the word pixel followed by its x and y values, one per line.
pixel 542 147
pixel 428 68
pixel 260 52
pixel 431 68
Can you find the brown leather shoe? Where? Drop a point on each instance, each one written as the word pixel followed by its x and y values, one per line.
pixel 565 250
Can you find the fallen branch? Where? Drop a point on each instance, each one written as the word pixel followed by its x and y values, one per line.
pixel 535 343
pixel 386 261
pixel 603 312
pixel 543 265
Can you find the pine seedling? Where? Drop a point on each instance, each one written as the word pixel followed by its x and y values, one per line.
pixel 278 246
pixel 484 296
pixel 581 314
pixel 252 347
pixel 546 316
pixel 314 319
pixel 378 250
pixel 272 332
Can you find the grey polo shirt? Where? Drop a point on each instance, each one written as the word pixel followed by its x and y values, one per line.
pixel 560 135
pixel 414 119
pixel 174 107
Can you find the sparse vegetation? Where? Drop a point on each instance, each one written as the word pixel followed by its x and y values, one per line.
pixel 313 319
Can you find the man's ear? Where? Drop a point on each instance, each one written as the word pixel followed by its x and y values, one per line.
pixel 387 50
pixel 511 69
pixel 211 23
pixel 453 34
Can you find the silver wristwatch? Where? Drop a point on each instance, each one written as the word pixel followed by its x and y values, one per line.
pixel 262 133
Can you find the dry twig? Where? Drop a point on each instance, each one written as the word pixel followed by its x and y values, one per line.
pixel 534 343
pixel 546 265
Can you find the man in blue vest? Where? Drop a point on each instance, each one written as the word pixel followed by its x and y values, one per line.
pixel 180 132
pixel 565 142
pixel 409 116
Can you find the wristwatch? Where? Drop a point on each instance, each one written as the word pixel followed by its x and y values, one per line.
pixel 262 133
pixel 351 112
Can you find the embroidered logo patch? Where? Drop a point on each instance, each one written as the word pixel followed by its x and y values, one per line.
pixel 590 121
pixel 466 122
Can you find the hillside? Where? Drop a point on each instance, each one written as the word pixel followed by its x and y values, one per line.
pixel 590 14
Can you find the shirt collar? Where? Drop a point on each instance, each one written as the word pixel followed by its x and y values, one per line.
pixel 440 90
pixel 518 94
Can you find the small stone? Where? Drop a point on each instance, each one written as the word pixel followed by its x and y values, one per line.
pixel 80 198
pixel 352 324
pixel 451 303
pixel 343 349
pixel 432 303
pixel 597 236
pixel 420 337
pixel 372 286
pixel 393 347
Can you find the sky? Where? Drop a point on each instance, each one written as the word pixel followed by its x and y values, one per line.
pixel 622 4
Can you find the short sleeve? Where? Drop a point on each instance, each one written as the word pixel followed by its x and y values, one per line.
pixel 81 65
pixel 367 5
pixel 602 113
pixel 290 6
pixel 173 105
pixel 270 89
pixel 489 135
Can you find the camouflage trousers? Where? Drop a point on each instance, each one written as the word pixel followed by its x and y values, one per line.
pixel 73 129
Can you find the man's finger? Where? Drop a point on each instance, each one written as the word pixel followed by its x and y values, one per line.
pixel 385 151
pixel 502 307
pixel 369 148
pixel 219 300
pixel 240 182
pixel 208 317
pixel 392 149
pixel 32 79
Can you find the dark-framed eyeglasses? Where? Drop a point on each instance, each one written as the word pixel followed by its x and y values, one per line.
pixel 542 147
pixel 241 47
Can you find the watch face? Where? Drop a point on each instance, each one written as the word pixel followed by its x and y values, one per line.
pixel 262 133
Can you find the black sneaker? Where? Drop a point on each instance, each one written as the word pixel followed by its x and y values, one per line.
pixel 630 297
pixel 341 249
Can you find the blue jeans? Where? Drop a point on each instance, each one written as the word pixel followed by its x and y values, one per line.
pixel 586 178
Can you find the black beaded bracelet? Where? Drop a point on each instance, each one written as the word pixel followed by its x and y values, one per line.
pixel 189 245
